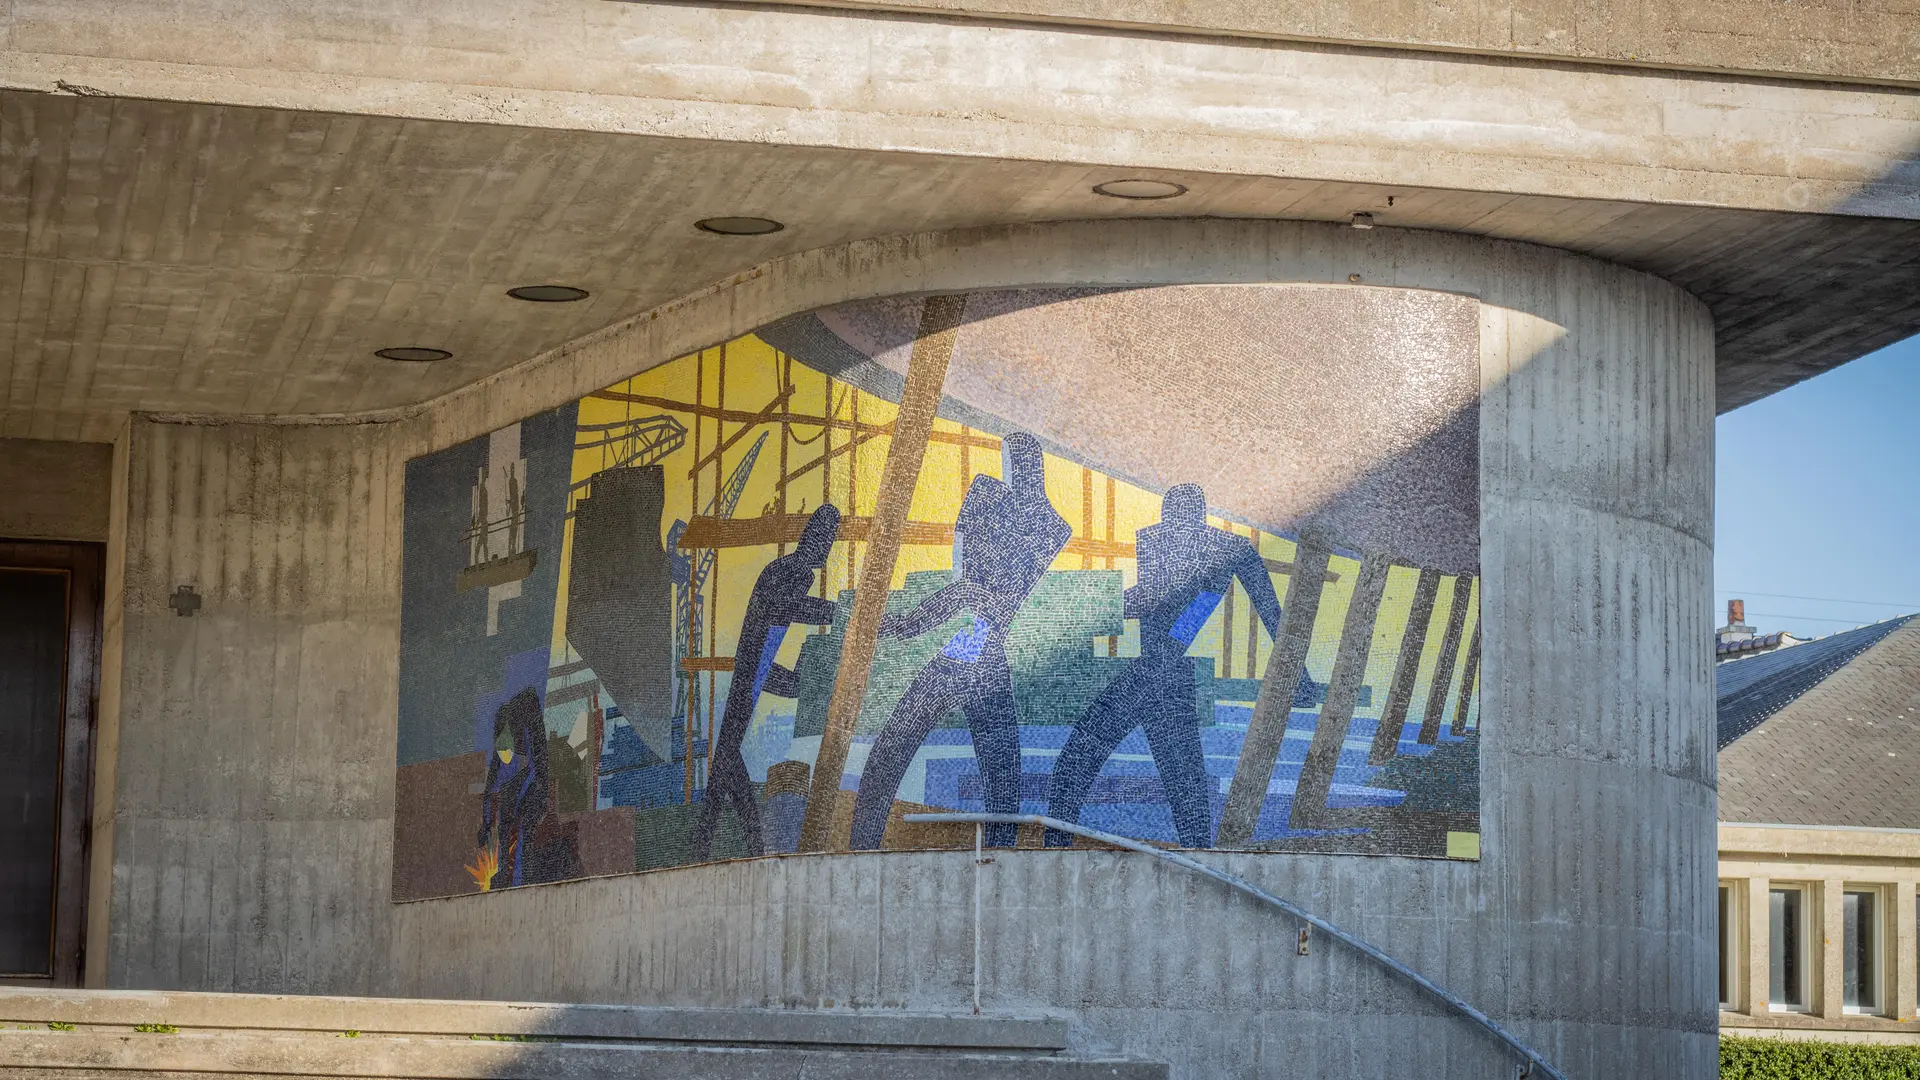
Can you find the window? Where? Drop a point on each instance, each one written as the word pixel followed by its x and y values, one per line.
pixel 1729 947
pixel 1787 982
pixel 1860 951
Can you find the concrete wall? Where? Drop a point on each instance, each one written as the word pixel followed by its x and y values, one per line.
pixel 247 750
pixel 55 490
pixel 1588 925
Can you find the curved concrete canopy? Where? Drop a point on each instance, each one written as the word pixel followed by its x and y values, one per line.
pixel 330 181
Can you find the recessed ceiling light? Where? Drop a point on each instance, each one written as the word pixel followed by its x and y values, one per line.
pixel 738 226
pixel 1139 189
pixel 547 294
pixel 413 354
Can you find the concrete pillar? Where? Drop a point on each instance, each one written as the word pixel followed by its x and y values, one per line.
pixel 244 809
pixel 1829 933
pixel 1759 946
pixel 1588 924
pixel 1905 963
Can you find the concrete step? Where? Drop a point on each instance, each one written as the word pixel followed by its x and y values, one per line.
pixel 282 1036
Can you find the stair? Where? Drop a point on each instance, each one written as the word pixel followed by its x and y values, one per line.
pixel 73 1034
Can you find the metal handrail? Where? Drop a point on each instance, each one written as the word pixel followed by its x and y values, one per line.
pixel 1533 1058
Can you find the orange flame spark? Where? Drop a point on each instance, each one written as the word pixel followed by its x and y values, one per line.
pixel 483 868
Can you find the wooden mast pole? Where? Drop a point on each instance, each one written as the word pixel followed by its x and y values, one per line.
pixel 919 400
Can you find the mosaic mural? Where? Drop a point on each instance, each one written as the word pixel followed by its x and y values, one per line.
pixel 1193 564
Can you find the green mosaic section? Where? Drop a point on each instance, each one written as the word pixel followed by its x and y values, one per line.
pixel 1050 651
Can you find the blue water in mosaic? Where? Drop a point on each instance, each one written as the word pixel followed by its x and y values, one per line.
pixel 1127 797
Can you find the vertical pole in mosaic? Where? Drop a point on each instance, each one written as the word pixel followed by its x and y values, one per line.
pixel 1113 642
pixel 1253 617
pixel 1226 633
pixel 1274 707
pixel 1449 655
pixel 1343 691
pixel 826 470
pixel 693 598
pixel 1467 678
pixel 1413 643
pixel 919 400
pixel 785 363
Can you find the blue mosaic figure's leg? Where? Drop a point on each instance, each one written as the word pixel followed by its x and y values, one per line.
pixel 709 818
pixel 1095 735
pixel 740 793
pixel 728 786
pixel 995 726
pixel 1173 733
pixel 933 694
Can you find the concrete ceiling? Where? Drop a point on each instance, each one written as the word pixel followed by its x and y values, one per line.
pixel 176 257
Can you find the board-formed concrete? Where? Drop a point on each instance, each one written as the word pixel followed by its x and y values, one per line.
pixel 115 1009
pixel 1826 39
pixel 55 490
pixel 219 209
pixel 1586 926
pixel 103 1033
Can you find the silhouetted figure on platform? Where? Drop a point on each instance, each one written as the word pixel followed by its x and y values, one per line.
pixel 1186 567
pixel 780 598
pixel 1006 536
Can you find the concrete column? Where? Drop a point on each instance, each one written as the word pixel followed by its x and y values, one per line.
pixel 1905 963
pixel 1759 946
pixel 1829 923
pixel 247 777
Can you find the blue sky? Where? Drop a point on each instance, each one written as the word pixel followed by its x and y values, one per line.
pixel 1818 499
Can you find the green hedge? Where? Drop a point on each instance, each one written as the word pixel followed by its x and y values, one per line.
pixel 1794 1059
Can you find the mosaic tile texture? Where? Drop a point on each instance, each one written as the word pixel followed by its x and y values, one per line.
pixel 1194 564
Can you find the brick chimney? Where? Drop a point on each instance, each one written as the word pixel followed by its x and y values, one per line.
pixel 1736 629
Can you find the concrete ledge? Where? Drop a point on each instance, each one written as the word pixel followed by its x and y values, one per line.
pixel 36 1054
pixel 267 1012
pixel 1813 1026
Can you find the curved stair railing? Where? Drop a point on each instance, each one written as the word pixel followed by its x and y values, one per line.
pixel 1532 1059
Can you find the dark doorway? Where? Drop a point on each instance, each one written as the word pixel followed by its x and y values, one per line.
pixel 49 653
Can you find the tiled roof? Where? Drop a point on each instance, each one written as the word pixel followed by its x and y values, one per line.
pixel 1825 733
pixel 1752 644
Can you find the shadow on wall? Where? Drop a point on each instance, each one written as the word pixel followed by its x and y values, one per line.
pixel 1177 562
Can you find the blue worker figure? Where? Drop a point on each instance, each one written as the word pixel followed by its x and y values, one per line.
pixel 1006 536
pixel 1186 567
pixel 780 598
pixel 517 790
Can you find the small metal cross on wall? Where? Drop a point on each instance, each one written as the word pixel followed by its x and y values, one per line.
pixel 184 601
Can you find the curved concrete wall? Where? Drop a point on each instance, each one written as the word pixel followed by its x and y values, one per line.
pixel 1587 924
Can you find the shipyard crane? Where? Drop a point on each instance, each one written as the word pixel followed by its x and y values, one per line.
pixel 692 571
pixel 636 441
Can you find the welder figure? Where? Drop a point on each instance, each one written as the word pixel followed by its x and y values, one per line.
pixel 517 791
pixel 1186 567
pixel 1006 536
pixel 780 598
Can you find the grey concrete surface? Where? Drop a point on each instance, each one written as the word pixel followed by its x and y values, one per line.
pixel 265 287
pixel 245 795
pixel 413 1016
pixel 34 1055
pixel 252 830
pixel 1827 39
pixel 253 209
pixel 55 490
